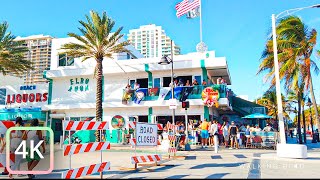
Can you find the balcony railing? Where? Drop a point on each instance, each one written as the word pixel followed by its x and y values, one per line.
pixel 152 94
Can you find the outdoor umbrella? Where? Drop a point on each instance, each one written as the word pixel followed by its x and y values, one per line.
pixel 257 116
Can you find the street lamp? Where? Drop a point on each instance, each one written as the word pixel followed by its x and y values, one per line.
pixel 309 104
pixel 165 60
pixel 276 66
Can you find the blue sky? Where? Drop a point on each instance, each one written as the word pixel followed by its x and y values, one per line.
pixel 236 29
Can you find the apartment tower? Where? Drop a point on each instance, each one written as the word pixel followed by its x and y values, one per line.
pixel 152 41
pixel 40 54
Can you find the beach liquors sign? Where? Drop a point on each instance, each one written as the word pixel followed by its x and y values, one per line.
pixel 27 95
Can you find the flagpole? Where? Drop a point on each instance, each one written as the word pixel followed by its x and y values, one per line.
pixel 201 47
pixel 200 11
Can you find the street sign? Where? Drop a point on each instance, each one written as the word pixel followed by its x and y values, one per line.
pixel 146 134
pixel 173 104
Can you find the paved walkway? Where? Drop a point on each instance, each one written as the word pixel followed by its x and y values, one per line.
pixel 198 163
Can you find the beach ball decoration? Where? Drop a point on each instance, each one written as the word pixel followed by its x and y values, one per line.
pixel 210 97
pixel 117 122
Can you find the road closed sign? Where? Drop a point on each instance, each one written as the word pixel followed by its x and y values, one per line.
pixel 146 134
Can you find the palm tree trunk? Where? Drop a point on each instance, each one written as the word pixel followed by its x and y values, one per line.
pixel 99 73
pixel 314 103
pixel 299 119
pixel 304 126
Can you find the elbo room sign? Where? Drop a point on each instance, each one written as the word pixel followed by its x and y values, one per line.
pixel 146 134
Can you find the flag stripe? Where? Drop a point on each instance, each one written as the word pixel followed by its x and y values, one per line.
pixel 184 7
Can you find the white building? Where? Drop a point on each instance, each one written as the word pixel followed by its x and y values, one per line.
pixel 152 41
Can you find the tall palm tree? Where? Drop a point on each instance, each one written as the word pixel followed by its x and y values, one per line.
pixel 96 42
pixel 295 45
pixel 12 53
pixel 269 100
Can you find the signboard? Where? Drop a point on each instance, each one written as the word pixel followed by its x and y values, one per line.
pixel 26 95
pixel 210 97
pixel 117 122
pixel 173 104
pixel 23 115
pixel 146 134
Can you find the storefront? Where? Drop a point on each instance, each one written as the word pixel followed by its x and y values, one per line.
pixel 25 101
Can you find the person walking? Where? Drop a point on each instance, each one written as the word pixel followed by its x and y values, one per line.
pixel 233 130
pixel 204 133
pixel 225 132
pixel 36 136
pixel 15 141
pixel 213 130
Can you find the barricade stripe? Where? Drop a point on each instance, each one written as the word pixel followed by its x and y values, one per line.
pixel 99 146
pixel 79 173
pixel 102 166
pixel 88 147
pixel 77 149
pixel 143 159
pixel 135 160
pixel 91 125
pixel 150 158
pixel 158 157
pixel 67 150
pixel 90 169
pixel 69 125
pixel 80 125
pixel 69 174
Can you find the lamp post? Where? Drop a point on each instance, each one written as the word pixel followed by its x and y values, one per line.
pixel 276 66
pixel 309 104
pixel 165 60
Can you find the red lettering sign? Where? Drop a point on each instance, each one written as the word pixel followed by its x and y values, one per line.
pixel 24 98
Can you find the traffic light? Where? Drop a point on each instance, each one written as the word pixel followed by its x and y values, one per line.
pixel 185 104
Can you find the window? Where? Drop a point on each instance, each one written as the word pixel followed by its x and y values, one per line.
pixel 156 82
pixel 65 60
pixel 198 78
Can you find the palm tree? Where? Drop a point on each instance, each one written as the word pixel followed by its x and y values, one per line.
pixel 12 53
pixel 269 100
pixel 96 42
pixel 295 44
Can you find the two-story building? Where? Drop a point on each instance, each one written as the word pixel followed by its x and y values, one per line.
pixel 72 89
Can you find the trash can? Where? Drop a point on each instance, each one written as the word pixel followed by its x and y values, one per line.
pixel 316 137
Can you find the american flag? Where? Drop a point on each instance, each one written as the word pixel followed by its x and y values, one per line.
pixel 185 6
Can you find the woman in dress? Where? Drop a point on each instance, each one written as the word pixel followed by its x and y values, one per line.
pixel 36 136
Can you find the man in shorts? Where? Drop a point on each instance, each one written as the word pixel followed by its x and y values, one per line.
pixel 233 130
pixel 204 133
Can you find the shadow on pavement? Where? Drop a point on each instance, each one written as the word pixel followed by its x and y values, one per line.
pixel 217 176
pixel 176 176
pixel 201 166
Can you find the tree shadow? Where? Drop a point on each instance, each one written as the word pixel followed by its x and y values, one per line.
pixel 201 166
pixel 217 176
pixel 176 176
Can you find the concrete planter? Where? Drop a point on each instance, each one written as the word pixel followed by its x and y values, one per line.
pixel 297 151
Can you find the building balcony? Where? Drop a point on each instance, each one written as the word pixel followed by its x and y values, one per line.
pixel 152 94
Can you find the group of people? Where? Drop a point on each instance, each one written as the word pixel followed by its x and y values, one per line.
pixel 229 135
pixel 16 137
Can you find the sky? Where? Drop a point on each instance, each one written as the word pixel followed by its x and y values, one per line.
pixel 235 29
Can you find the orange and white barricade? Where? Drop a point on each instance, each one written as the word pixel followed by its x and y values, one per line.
pixel 72 149
pixel 133 141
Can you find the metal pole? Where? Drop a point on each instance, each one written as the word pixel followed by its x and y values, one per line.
pixel 278 89
pixel 186 125
pixel 101 173
pixel 172 83
pixel 200 13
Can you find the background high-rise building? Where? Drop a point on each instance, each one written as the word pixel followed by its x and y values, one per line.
pixel 152 41
pixel 40 54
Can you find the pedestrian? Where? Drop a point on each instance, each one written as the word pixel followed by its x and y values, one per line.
pixel 213 131
pixel 225 128
pixel 233 130
pixel 15 141
pixel 204 133
pixel 36 136
pixel 268 128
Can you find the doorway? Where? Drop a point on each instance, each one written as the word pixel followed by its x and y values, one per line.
pixel 56 126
